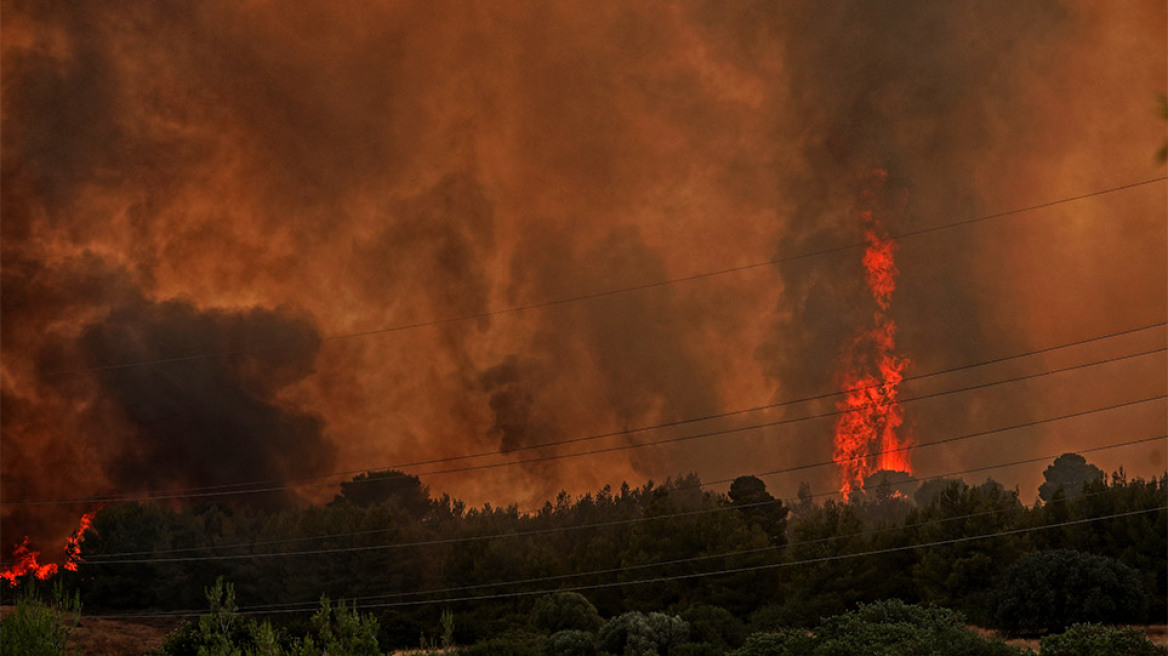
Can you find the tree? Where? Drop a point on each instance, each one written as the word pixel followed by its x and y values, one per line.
pixel 638 634
pixel 571 643
pixel 402 490
pixel 760 508
pixel 714 625
pixel 1050 590
pixel 565 611
pixel 1069 473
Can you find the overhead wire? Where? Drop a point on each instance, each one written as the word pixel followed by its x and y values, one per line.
pixel 115 559
pixel 779 548
pixel 97 559
pixel 624 290
pixel 597 451
pixel 679 577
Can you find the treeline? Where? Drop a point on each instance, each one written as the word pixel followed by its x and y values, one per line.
pixel 405 558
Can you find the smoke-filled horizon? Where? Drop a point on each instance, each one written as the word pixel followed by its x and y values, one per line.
pixel 223 177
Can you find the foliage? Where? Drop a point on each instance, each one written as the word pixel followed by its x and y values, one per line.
pixel 749 494
pixel 342 630
pixel 1052 589
pixel 404 491
pixel 1100 641
pixel 571 643
pixel 337 631
pixel 697 649
pixel 1069 473
pixel 510 646
pixel 830 558
pixel 565 611
pixel 888 628
pixel 638 634
pixel 714 625
pixel 38 628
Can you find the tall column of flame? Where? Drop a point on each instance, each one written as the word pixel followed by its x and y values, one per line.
pixel 866 438
pixel 25 559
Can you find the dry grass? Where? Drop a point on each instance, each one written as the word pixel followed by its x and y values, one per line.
pixel 119 637
pixel 98 637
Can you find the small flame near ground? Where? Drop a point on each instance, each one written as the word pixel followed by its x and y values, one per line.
pixel 25 559
pixel 866 433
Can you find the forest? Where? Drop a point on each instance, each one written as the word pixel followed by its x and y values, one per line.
pixel 716 571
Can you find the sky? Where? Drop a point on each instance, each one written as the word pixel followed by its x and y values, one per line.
pixel 243 241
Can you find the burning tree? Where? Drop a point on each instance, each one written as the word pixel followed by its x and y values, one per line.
pixel 867 437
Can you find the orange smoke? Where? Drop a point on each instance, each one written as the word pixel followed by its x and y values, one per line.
pixel 25 560
pixel 866 439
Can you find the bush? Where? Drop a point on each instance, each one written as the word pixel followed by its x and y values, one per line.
pixel 337 631
pixel 37 628
pixel 886 628
pixel 570 643
pixel 714 625
pixel 1100 641
pixel 781 643
pixel 565 611
pixel 637 634
pixel 501 647
pixel 697 649
pixel 1050 590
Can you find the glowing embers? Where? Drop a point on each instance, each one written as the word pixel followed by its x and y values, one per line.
pixel 24 560
pixel 867 434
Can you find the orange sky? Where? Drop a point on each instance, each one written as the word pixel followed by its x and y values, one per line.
pixel 226 176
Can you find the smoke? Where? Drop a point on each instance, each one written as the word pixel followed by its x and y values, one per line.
pixel 221 176
pixel 207 421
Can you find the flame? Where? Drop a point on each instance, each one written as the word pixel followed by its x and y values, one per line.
pixel 26 564
pixel 73 542
pixel 866 438
pixel 25 559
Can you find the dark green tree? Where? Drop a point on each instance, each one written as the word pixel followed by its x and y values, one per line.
pixel 402 490
pixel 750 495
pixel 1069 473
pixel 1050 590
pixel 565 611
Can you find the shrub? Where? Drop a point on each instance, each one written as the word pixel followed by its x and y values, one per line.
pixel 886 628
pixel 501 647
pixel 637 634
pixel 570 643
pixel 565 611
pixel 781 643
pixel 1100 641
pixel 1053 589
pixel 714 625
pixel 37 628
pixel 697 649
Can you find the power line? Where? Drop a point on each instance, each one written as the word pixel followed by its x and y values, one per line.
pixel 678 561
pixel 679 577
pixel 98 559
pixel 109 559
pixel 756 568
pixel 669 424
pixel 617 291
pixel 597 451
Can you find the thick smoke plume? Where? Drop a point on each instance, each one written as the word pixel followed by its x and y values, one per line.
pixel 182 179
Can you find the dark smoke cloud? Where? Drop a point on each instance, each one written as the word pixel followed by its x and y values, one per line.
pixel 206 421
pixel 181 176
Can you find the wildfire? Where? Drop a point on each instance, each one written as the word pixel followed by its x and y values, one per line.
pixel 25 559
pixel 866 433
